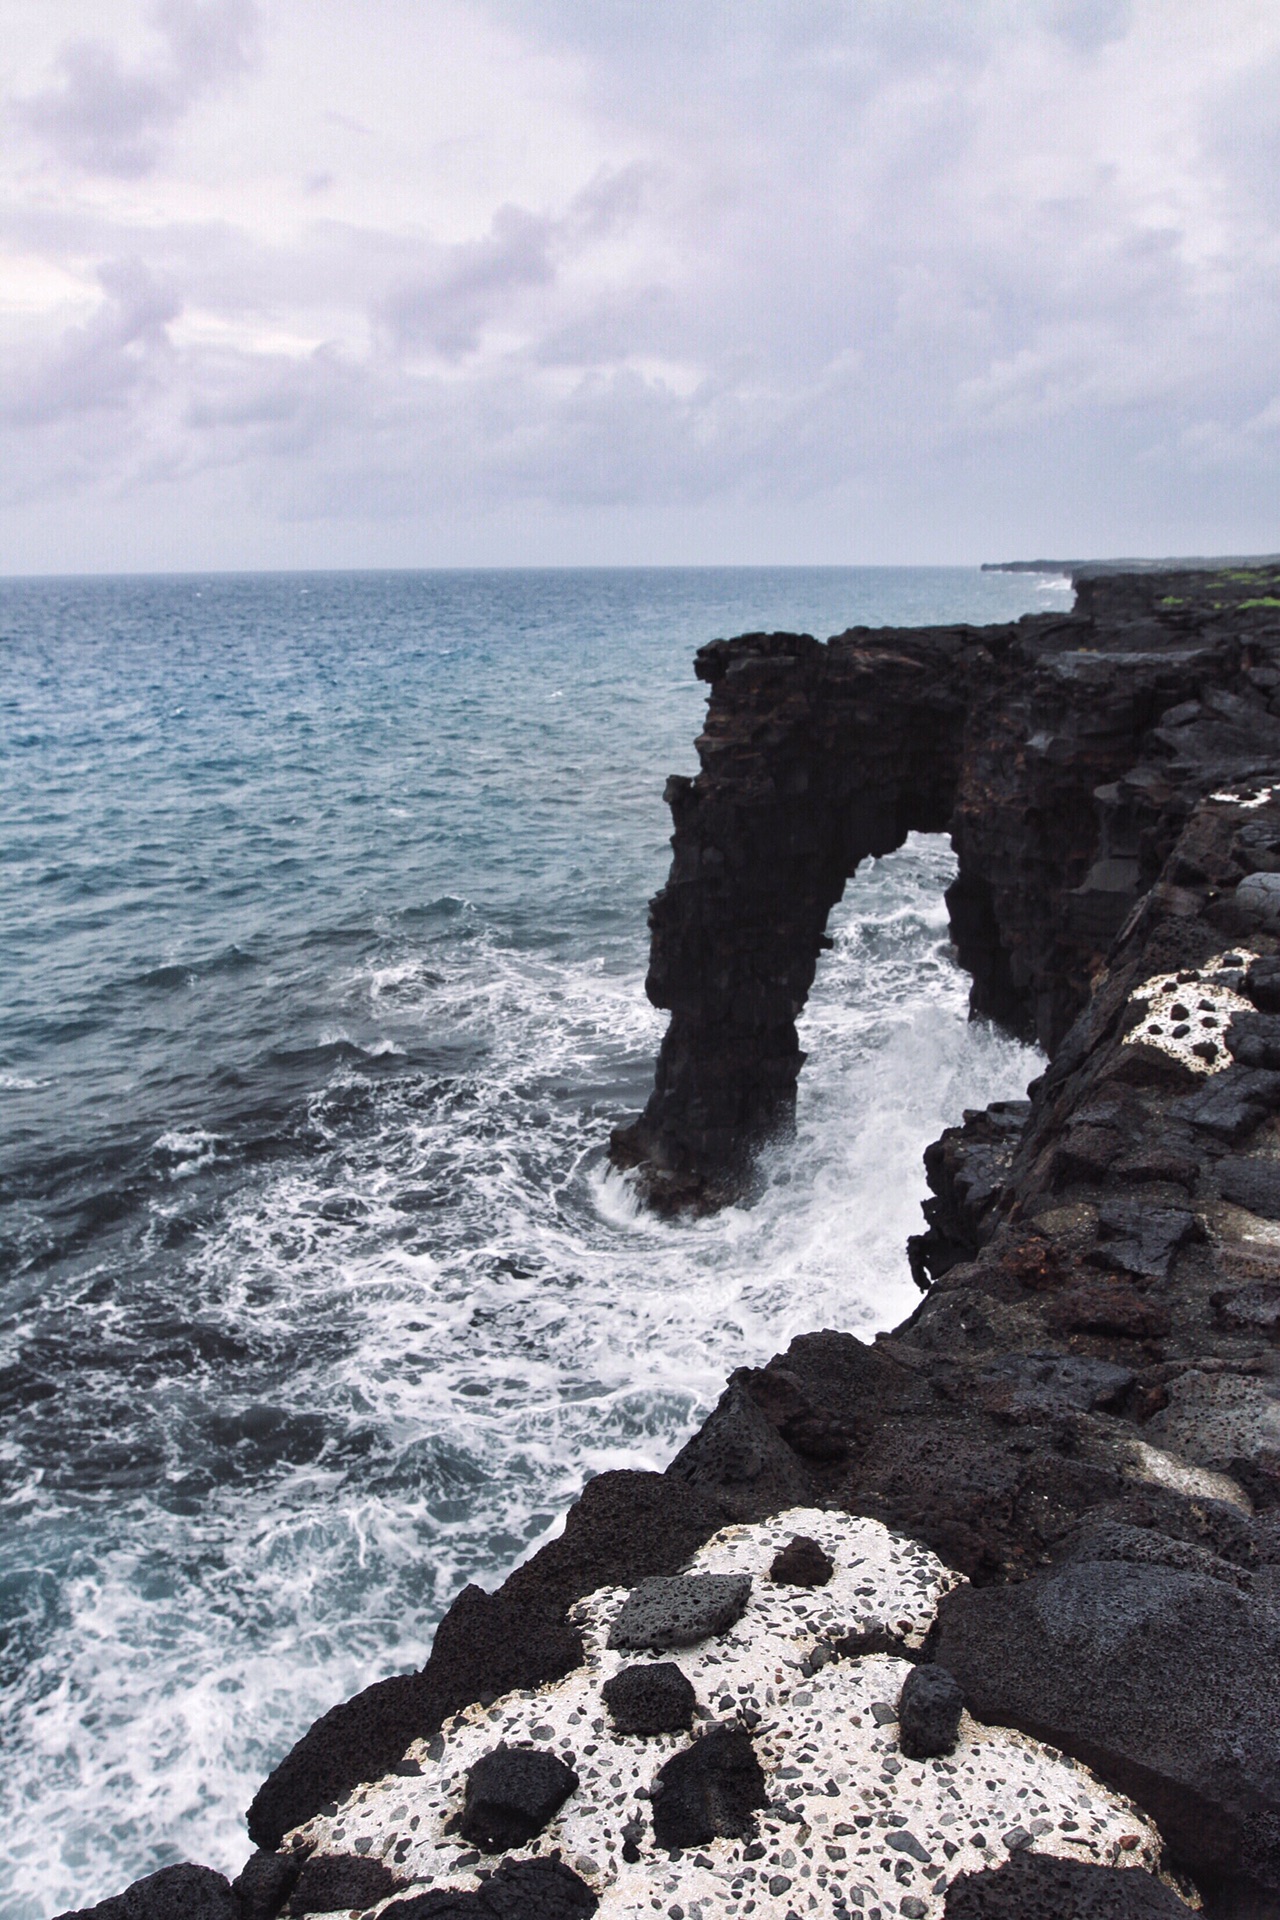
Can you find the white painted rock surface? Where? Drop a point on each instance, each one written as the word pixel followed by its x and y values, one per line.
pixel 852 1827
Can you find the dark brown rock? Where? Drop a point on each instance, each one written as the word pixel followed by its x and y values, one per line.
pixel 1102 1306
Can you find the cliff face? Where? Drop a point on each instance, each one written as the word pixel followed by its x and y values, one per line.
pixel 1062 755
pixel 1082 1417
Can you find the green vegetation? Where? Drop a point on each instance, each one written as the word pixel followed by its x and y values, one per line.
pixel 1268 600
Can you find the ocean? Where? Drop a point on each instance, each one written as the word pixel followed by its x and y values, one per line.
pixel 321 987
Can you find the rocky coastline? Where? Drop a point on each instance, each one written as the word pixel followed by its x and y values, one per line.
pixel 1027 1544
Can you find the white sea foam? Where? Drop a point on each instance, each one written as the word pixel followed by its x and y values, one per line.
pixel 471 1312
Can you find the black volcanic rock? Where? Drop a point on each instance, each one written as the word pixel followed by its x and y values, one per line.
pixel 174 1893
pixel 802 1563
pixel 333 1882
pixel 1063 755
pixel 512 1792
pixel 680 1611
pixel 1166 1682
pixel 1037 1886
pixel 708 1790
pixel 626 1525
pixel 517 1890
pixel 264 1883
pixel 929 1710
pixel 650 1699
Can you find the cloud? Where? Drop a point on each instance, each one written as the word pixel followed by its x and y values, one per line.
pixel 446 307
pixel 102 364
pixel 990 272
pixel 104 117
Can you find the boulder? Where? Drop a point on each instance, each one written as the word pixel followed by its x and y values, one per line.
pixel 708 1790
pixel 1251 1182
pixel 679 1610
pixel 174 1893
pixel 1165 1681
pixel 653 1699
pixel 801 1563
pixel 264 1883
pixel 335 1882
pixel 517 1890
pixel 929 1710
pixel 512 1792
pixel 1039 1886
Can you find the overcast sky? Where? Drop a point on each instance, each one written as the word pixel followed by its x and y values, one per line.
pixel 452 282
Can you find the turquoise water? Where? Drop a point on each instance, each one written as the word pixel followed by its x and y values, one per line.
pixel 324 899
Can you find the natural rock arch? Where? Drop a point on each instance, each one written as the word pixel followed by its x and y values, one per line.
pixel 1037 746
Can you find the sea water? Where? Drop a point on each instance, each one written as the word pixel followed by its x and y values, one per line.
pixel 321 984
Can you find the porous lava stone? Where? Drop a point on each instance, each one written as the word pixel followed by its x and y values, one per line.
pixel 512 1792
pixel 654 1699
pixel 929 1709
pixel 708 1790
pixel 802 1563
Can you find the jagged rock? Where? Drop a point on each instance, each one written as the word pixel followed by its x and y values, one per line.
pixel 708 1790
pixel 1110 1307
pixel 868 1640
pixel 333 1882
pixel 511 1794
pixel 1259 895
pixel 929 1710
pixel 678 1612
pixel 625 1525
pixel 438 1903
pixel 1166 1682
pixel 739 1457
pixel 1234 1103
pixel 537 1890
pixel 1143 1239
pixel 1262 984
pixel 1041 1385
pixel 174 1893
pixel 1038 1886
pixel 802 1563
pixel 264 1883
pixel 1251 1182
pixel 652 1699
pixel 1147 1546
pixel 1220 1420
pixel 1255 1308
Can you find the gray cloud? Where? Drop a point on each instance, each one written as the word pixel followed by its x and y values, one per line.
pixel 102 364
pixel 446 307
pixel 930 277
pixel 104 117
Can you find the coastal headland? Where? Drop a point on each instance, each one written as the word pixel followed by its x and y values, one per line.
pixel 982 1618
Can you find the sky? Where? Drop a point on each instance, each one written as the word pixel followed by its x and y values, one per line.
pixel 311 283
